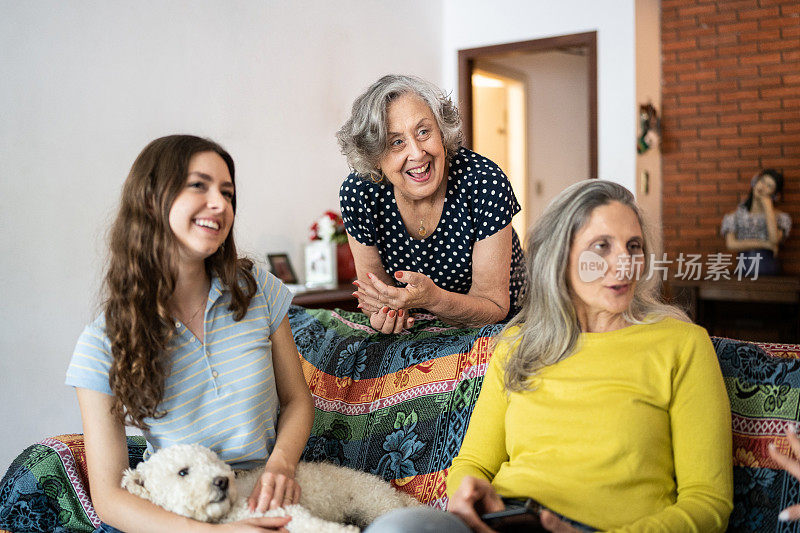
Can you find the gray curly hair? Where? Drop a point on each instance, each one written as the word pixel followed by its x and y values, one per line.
pixel 362 139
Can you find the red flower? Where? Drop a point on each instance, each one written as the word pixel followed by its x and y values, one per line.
pixel 329 219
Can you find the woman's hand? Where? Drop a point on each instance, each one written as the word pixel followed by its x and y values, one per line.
pixel 475 496
pixel 373 294
pixel 388 320
pixel 258 525
pixel 382 317
pixel 790 465
pixel 275 488
pixel 552 523
pixel 763 198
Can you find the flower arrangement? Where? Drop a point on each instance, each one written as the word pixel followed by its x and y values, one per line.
pixel 329 227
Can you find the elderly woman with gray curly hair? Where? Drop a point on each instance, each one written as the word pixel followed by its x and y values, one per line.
pixel 428 221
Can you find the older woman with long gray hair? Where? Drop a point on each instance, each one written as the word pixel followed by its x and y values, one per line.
pixel 428 221
pixel 600 402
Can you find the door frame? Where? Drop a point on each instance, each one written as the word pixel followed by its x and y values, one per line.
pixel 466 66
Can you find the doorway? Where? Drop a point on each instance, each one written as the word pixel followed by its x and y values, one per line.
pixel 531 107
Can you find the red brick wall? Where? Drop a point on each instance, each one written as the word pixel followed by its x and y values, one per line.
pixel 731 105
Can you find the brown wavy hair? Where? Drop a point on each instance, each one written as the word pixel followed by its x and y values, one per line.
pixel 142 273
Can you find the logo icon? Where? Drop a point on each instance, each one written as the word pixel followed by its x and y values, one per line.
pixel 591 266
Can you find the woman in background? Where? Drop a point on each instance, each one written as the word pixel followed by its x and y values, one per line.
pixel 756 228
pixel 428 221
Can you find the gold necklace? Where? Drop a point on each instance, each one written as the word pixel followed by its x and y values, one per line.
pixel 423 231
pixel 187 322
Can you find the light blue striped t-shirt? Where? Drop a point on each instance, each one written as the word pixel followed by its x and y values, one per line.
pixel 220 393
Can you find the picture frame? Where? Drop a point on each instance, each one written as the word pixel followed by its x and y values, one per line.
pixel 281 267
pixel 321 265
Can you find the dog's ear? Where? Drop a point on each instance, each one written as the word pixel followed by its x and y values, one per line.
pixel 133 482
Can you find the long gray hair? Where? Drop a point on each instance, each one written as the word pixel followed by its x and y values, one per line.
pixel 362 139
pixel 548 323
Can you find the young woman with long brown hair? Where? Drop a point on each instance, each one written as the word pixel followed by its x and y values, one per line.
pixel 193 345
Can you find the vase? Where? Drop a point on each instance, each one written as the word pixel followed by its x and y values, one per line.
pixel 345 264
pixel 321 265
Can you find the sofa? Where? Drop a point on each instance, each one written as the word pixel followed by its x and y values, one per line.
pixel 398 406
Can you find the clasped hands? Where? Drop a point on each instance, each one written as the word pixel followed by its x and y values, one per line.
pixel 387 305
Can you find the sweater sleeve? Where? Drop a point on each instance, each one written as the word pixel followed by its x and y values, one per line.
pixel 484 446
pixel 700 421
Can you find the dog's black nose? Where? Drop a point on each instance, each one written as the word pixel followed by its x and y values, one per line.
pixel 221 483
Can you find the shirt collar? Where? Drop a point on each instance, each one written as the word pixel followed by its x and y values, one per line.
pixel 216 289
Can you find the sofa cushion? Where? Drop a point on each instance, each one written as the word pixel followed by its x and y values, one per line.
pixel 763 382
pixel 46 488
pixel 393 405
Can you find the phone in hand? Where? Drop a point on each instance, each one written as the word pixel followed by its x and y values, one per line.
pixel 519 516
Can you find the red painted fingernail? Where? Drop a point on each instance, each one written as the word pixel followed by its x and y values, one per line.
pixel 391 313
pixel 385 309
pixel 369 275
pixel 398 275
pixel 356 284
pixel 355 295
pixel 359 306
pixel 400 313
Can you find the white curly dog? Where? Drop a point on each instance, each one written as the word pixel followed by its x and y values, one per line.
pixel 190 480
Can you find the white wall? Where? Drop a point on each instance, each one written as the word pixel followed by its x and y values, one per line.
pixel 87 84
pixel 475 23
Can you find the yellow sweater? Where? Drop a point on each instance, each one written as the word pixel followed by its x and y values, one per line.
pixel 632 432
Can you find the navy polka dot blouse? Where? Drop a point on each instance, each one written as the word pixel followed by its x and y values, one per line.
pixel 479 203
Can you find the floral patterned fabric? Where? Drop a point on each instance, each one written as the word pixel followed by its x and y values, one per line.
pixel 398 406
pixel 393 405
pixel 45 488
pixel 763 382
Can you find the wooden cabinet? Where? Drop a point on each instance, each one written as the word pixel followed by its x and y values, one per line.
pixel 340 297
pixel 766 309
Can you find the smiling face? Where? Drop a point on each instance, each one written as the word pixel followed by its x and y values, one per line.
pixel 414 162
pixel 600 297
pixel 202 214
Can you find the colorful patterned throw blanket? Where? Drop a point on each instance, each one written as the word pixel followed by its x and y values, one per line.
pixel 393 405
pixel 46 490
pixel 763 382
pixel 398 406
